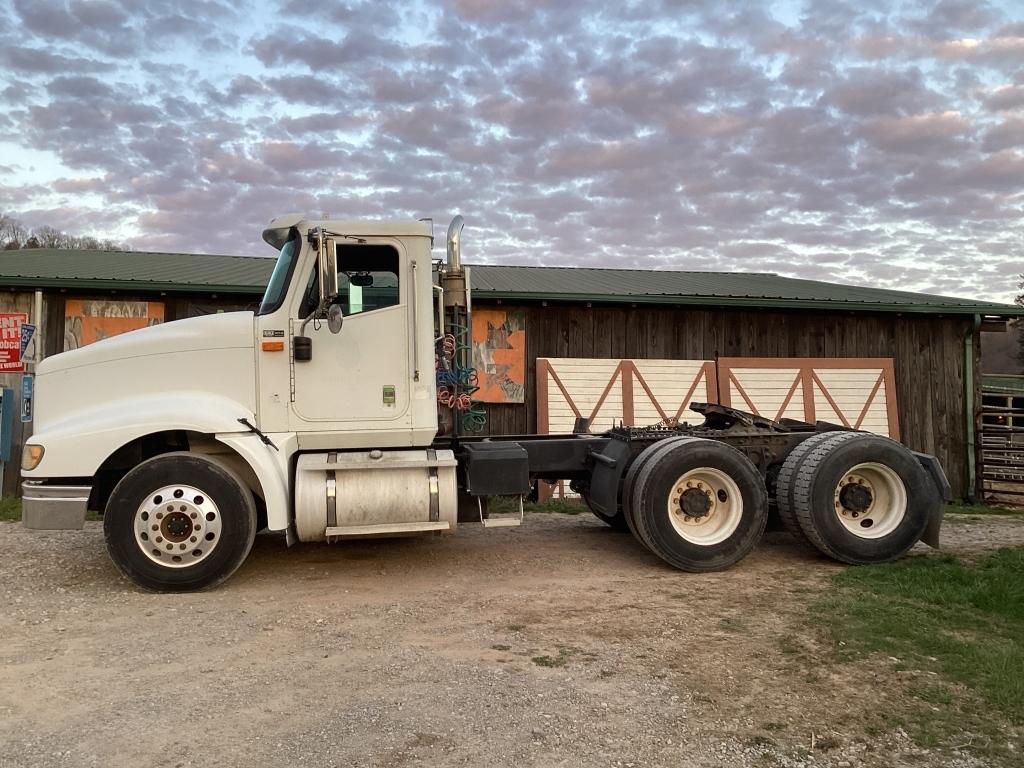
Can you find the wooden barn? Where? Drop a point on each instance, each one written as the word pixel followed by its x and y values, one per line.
pixel 551 344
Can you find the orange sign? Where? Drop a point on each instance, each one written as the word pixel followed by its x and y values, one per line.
pixel 88 320
pixel 499 355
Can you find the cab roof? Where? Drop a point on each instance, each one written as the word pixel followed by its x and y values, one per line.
pixel 356 227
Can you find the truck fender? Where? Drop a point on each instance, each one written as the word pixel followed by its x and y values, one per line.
pixel 272 470
pixel 77 445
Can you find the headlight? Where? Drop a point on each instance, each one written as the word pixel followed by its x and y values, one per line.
pixel 31 455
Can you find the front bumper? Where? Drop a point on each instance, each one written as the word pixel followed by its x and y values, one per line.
pixel 53 507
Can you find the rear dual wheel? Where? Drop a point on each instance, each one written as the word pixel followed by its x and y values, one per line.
pixel 700 505
pixel 856 497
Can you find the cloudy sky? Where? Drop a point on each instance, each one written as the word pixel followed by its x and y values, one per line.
pixel 879 143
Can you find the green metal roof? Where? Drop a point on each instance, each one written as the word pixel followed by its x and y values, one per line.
pixel 135 271
pixel 203 273
pixel 735 289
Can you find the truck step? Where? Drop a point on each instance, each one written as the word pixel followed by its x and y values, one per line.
pixel 385 529
pixel 501 522
pixel 505 521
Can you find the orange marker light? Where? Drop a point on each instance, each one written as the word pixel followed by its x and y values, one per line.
pixel 273 346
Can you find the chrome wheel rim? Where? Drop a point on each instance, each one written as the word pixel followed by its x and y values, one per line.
pixel 177 526
pixel 705 506
pixel 870 500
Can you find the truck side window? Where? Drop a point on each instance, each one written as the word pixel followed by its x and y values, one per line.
pixel 367 280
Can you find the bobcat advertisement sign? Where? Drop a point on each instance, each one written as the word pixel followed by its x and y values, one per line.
pixel 499 355
pixel 10 341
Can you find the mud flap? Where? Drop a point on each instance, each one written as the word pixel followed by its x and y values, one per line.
pixel 934 469
pixel 606 479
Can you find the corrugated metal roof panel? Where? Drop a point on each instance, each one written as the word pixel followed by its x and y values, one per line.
pixel 186 272
pixel 722 288
pixel 141 270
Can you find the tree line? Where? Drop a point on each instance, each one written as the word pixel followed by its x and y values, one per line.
pixel 14 236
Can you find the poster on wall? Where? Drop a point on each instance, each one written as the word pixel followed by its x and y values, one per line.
pixel 10 341
pixel 87 320
pixel 499 355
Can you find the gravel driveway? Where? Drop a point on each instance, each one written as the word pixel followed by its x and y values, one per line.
pixel 561 643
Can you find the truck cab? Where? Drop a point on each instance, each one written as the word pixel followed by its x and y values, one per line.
pixel 334 373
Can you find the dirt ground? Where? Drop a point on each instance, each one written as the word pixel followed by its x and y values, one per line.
pixel 561 643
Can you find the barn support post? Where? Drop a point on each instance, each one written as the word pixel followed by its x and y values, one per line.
pixel 970 407
pixel 37 320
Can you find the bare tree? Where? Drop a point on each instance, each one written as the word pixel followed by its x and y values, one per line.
pixel 12 232
pixel 14 236
pixel 51 237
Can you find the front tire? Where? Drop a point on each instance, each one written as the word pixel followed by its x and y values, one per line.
pixel 179 522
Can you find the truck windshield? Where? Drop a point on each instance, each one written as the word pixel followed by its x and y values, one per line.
pixel 278 285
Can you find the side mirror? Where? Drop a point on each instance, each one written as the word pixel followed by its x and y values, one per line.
pixel 335 318
pixel 328 261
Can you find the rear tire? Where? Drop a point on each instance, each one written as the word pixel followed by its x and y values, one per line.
pixel 784 487
pixel 629 482
pixel 700 505
pixel 862 498
pixel 179 522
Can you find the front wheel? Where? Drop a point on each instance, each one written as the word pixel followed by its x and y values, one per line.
pixel 179 522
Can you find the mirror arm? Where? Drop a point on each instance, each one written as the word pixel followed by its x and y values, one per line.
pixel 305 321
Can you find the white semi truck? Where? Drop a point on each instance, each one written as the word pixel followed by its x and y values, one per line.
pixel 318 415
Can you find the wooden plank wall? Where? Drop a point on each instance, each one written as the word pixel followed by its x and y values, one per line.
pixel 928 353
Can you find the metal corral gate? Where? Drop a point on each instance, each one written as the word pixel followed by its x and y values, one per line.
pixel 1002 439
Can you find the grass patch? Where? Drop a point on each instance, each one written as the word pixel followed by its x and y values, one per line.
pixel 10 509
pixel 508 504
pixel 964 622
pixel 981 509
pixel 558 507
pixel 564 654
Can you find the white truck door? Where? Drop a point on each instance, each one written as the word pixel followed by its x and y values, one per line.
pixel 359 379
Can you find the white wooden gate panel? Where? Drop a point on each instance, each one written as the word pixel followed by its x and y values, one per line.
pixel 607 392
pixel 664 389
pixel 774 393
pixel 859 393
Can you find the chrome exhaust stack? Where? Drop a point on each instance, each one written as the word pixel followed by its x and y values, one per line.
pixel 453 279
pixel 454 244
